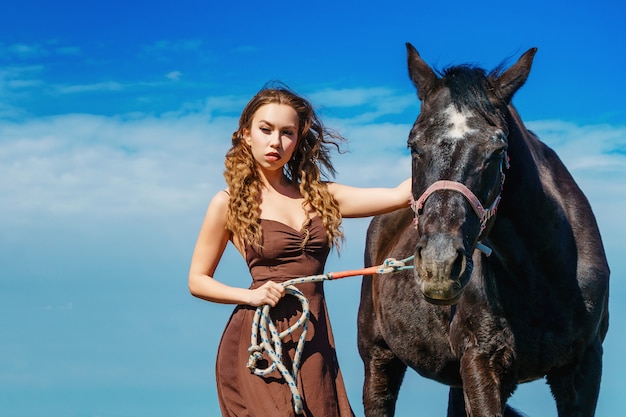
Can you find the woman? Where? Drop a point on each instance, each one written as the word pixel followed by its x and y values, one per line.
pixel 283 219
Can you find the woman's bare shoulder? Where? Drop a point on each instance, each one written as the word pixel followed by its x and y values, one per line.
pixel 219 202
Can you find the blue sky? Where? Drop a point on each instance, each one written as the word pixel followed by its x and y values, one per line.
pixel 114 119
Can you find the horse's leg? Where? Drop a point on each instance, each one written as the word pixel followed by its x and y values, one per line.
pixel 576 387
pixel 483 384
pixel 512 412
pixel 383 376
pixel 456 403
pixel 383 371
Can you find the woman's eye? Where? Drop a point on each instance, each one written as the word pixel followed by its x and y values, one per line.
pixel 265 129
pixel 288 133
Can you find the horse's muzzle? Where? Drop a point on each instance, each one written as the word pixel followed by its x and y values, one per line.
pixel 441 268
pixel 447 293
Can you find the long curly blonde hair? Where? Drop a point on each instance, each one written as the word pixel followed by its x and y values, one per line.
pixel 310 160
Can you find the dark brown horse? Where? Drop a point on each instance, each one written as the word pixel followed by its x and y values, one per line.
pixel 535 307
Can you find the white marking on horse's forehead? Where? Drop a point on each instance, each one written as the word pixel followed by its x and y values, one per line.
pixel 457 123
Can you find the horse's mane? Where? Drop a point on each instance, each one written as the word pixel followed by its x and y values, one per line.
pixel 468 86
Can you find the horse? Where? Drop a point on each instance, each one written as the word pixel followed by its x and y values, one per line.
pixel 510 281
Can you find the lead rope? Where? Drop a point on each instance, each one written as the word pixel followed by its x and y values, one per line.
pixel 263 327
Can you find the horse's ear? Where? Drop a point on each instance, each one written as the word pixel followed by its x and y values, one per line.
pixel 512 79
pixel 423 77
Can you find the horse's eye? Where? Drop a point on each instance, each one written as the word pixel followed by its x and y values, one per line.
pixel 499 153
pixel 416 152
pixel 496 158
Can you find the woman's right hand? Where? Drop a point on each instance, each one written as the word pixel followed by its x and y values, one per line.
pixel 268 293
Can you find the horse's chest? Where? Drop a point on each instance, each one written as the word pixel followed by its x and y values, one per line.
pixel 432 339
pixel 418 334
pixel 538 338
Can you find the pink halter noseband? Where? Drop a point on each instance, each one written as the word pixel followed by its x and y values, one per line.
pixel 483 214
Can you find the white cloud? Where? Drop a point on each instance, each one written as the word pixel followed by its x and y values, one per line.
pixel 350 97
pixel 26 51
pixel 594 154
pixel 174 75
pixel 12 77
pixel 377 154
pixel 87 167
pixel 88 88
pixel 91 167
pixel 370 103
pixel 15 81
pixel 164 48
pixel 68 50
pixel 23 50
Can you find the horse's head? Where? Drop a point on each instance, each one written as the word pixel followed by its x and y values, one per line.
pixel 459 153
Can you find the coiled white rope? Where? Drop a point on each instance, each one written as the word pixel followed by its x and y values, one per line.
pixel 266 338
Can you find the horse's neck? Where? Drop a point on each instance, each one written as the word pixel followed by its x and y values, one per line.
pixel 531 184
pixel 526 164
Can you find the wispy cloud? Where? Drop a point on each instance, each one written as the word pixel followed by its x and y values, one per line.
pixel 81 166
pixel 25 51
pixel 15 76
pixel 29 51
pixel 174 75
pixel 594 154
pixel 351 97
pixel 68 50
pixel 85 166
pixel 31 74
pixel 15 83
pixel 178 45
pixel 369 104
pixel 166 50
pixel 87 88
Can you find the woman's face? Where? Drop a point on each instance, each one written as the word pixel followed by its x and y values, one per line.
pixel 273 135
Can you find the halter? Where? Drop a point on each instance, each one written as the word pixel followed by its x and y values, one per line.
pixel 484 215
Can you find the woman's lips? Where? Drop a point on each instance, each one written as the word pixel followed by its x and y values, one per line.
pixel 273 156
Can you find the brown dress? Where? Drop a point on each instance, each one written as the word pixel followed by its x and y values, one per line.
pixel 244 394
